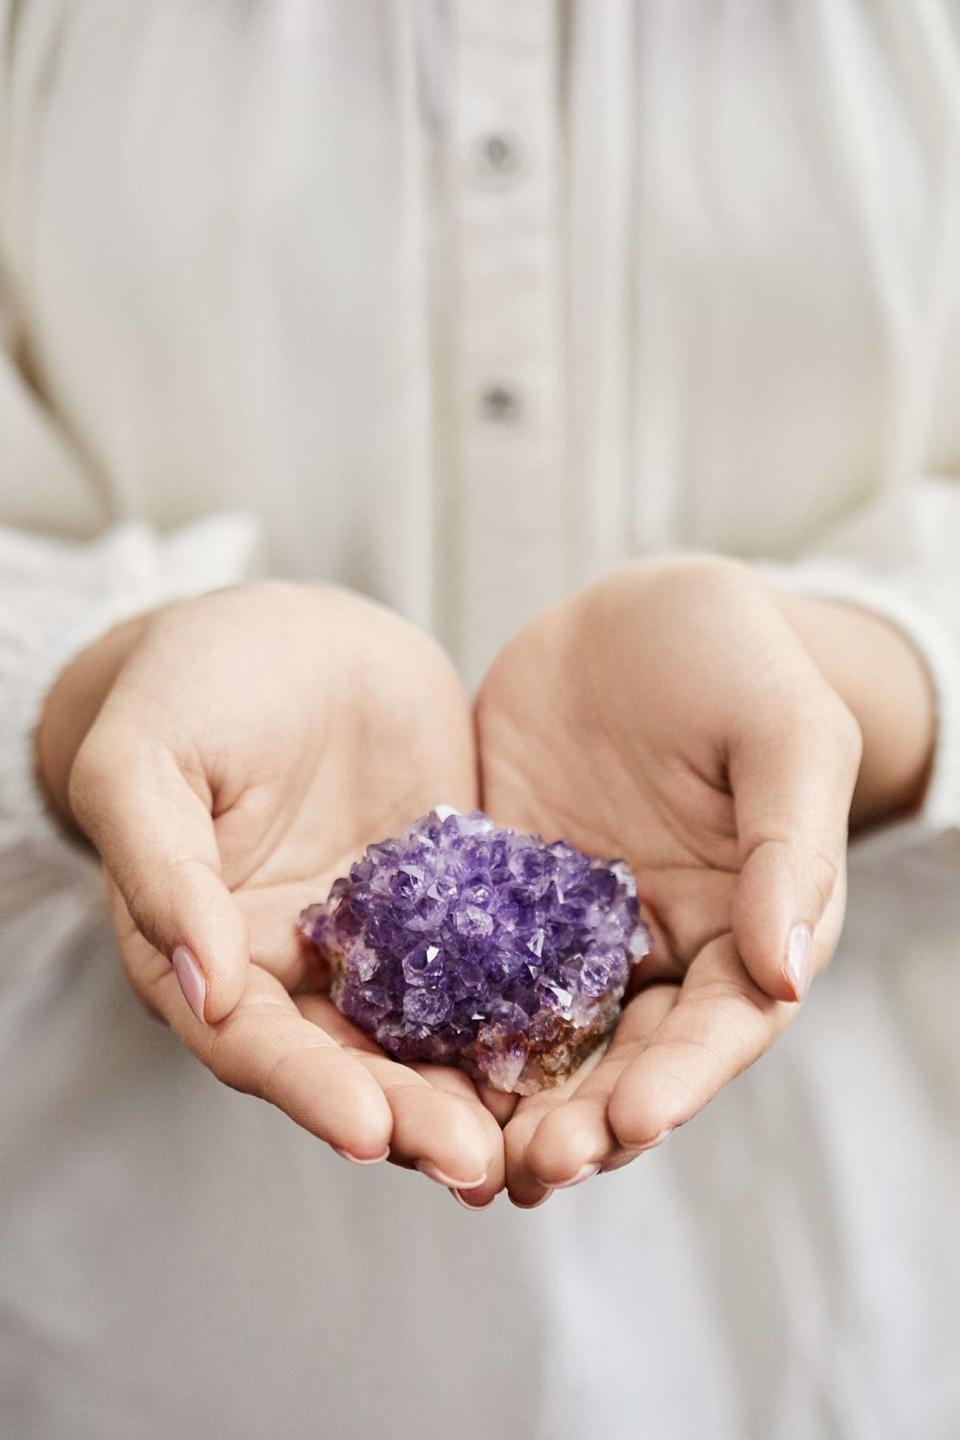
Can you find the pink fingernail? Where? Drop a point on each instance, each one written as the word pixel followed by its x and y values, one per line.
pixel 426 1167
pixel 191 979
pixel 799 962
pixel 460 1201
pixel 579 1178
pixel 360 1159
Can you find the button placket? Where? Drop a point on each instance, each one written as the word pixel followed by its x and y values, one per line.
pixel 509 343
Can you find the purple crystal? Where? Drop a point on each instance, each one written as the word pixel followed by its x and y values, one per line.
pixel 464 944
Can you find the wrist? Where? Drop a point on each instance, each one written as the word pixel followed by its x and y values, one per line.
pixel 72 705
pixel 882 679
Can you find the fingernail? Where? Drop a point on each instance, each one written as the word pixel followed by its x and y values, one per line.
pixel 627 1156
pixel 191 979
pixel 797 965
pixel 460 1200
pixel 534 1204
pixel 361 1160
pixel 657 1139
pixel 579 1178
pixel 427 1168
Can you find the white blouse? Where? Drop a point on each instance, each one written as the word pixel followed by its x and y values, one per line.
pixel 459 302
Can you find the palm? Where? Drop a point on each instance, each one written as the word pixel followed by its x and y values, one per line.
pixel 572 746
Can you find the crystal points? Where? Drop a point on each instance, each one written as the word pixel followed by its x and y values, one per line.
pixel 465 944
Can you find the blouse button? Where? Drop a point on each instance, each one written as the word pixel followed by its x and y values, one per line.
pixel 500 403
pixel 499 154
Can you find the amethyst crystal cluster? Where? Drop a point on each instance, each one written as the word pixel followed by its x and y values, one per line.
pixel 464 944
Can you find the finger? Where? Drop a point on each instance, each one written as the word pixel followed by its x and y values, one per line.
pixel 500 1104
pixel 144 966
pixel 575 1139
pixel 155 835
pixel 526 1189
pixel 792 774
pixel 267 1048
pixel 435 1127
pixel 720 1024
pixel 456 1082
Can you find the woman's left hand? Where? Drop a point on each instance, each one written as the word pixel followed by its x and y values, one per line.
pixel 672 715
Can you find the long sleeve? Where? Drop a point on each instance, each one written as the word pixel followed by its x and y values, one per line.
pixel 903 562
pixel 56 596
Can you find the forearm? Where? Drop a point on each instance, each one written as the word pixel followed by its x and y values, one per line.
pixel 883 681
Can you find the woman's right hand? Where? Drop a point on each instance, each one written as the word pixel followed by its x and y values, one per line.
pixel 228 757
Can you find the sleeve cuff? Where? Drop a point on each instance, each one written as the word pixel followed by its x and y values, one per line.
pixel 934 642
pixel 61 596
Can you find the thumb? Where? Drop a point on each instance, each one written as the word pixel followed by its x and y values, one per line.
pixel 792 773
pixel 156 838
